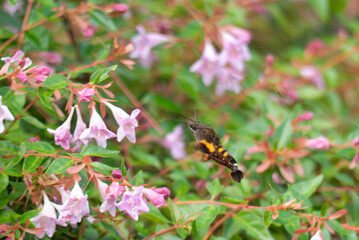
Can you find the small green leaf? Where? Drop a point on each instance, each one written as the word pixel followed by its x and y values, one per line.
pixel 41 147
pixel 102 166
pixel 18 158
pixel 28 215
pixel 13 2
pixel 283 133
pixel 91 150
pixel 253 225
pixel 214 187
pixel 103 19
pixel 194 215
pixel 4 181
pixel 6 215
pixel 60 165
pixel 145 158
pixel 4 199
pixel 308 187
pixel 175 212
pixel 267 218
pixel 45 97
pixel 7 147
pixel 324 209
pixel 210 213
pixel 101 74
pixel 55 81
pixel 34 122
pixel 31 163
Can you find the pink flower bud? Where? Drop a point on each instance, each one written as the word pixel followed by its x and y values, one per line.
pixel 293 95
pixel 35 139
pixel 305 117
pixel 89 31
pixel 270 60
pixel 313 47
pixel 52 58
pixel 320 143
pixel 163 191
pixel 86 94
pixel 156 199
pixel 120 7
pixel 356 141
pixel 354 162
pixel 116 174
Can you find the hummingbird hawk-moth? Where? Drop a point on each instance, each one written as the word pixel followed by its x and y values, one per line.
pixel 210 145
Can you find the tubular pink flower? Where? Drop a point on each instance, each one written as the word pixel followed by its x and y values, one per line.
pixel 174 142
pixel 86 94
pixel 5 114
pixel 116 174
pixel 163 191
pixel 313 74
pixel 156 199
pixel 133 204
pixel 305 117
pixel 41 73
pixel 144 42
pixel 79 129
pixel 46 218
pixel 228 79
pixel 208 65
pixel 110 195
pixel 97 130
pixel 127 123
pixel 320 143
pixel 21 63
pixel 62 134
pixel 356 141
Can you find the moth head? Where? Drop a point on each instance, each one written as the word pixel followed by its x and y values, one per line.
pixel 193 125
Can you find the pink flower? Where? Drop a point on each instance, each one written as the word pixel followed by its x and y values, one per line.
pixel 127 123
pixel 76 204
pixel 228 79
pixel 18 60
pixel 110 196
pixel 354 162
pixel 5 114
pixel 305 117
pixel 97 130
pixel 320 143
pixel 313 47
pixel 89 31
pixel 62 134
pixel 174 142
pixel 41 73
pixel 356 141
pixel 163 191
pixel 46 218
pixel 52 57
pixel 85 94
pixel 79 129
pixel 208 65
pixel 313 74
pixel 116 174
pixel 156 199
pixel 35 139
pixel 120 7
pixel 277 179
pixel 317 236
pixel 132 203
pixel 144 42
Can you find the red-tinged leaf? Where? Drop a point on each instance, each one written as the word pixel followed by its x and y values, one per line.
pixel 331 230
pixel 75 169
pixel 70 183
pixel 350 227
pixel 109 93
pixel 287 173
pixel 301 231
pixel 298 168
pixel 35 230
pixel 338 214
pixel 87 160
pixel 57 94
pixel 58 111
pixel 69 103
pixel 106 86
pixel 127 62
pixel 275 215
pixel 263 166
pixel 102 110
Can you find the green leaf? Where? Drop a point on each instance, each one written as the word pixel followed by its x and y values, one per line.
pixel 60 165
pixel 7 147
pixel 210 213
pixel 18 158
pixel 56 81
pixel 175 212
pixel 324 209
pixel 214 187
pixel 41 147
pixel 103 19
pixel 309 93
pixel 34 122
pixel 101 74
pixel 155 215
pixel 253 225
pixel 91 150
pixel 102 166
pixel 283 133
pixel 321 7
pixel 13 2
pixel 31 163
pixel 4 181
pixel 28 215
pixel 4 199
pixel 145 158
pixel 45 96
pixel 308 187
pixel 6 215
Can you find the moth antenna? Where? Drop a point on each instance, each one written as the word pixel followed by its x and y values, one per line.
pixel 172 119
pixel 185 117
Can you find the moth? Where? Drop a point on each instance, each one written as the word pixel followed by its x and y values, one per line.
pixel 210 145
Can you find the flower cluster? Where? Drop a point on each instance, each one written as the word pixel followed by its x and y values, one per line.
pixel 228 65
pixel 74 206
pixel 132 202
pixel 97 128
pixel 144 42
pixel 18 66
